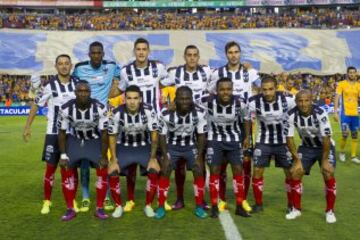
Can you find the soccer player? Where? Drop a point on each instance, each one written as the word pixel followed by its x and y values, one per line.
pixel 225 112
pixel 197 78
pixel 54 93
pixel 245 83
pixel 146 74
pixel 135 125
pixel 314 128
pixel 177 141
pixel 347 94
pixel 103 76
pixel 269 108
pixel 86 119
pixel 288 86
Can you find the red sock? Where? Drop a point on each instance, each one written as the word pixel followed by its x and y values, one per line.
pixel 222 182
pixel 114 182
pixel 68 186
pixel 49 178
pixel 164 183
pixel 289 192
pixel 330 192
pixel 296 190
pixel 238 185
pixel 199 190
pixel 151 186
pixel 130 182
pixel 101 186
pixel 214 188
pixel 247 176
pixel 258 186
pixel 180 174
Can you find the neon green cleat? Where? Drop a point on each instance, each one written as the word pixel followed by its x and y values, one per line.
pixel 167 206
pixel 108 206
pixel 129 205
pixel 85 205
pixel 222 205
pixel 246 206
pixel 46 207
pixel 76 208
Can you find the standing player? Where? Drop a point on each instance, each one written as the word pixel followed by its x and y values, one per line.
pixel 56 92
pixel 103 76
pixel 87 120
pixel 196 77
pixel 146 74
pixel 313 126
pixel 269 108
pixel 177 141
pixel 225 113
pixel 348 94
pixel 245 82
pixel 135 125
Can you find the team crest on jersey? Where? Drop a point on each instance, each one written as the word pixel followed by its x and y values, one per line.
pixel 50 148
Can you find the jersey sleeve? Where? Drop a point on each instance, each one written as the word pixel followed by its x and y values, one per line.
pixel 117 71
pixel 291 101
pixel 152 123
pixel 104 120
pixel 250 110
pixel 169 80
pixel 123 80
pixel 325 126
pixel 163 129
pixel 289 127
pixel 201 126
pixel 162 72
pixel 63 121
pixel 114 120
pixel 212 82
pixel 254 77
pixel 43 96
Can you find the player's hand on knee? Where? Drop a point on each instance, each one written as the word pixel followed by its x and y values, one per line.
pixel 296 169
pixel 113 167
pixel 153 164
pixel 27 134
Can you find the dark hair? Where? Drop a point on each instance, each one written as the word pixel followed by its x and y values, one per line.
pixel 141 40
pixel 96 44
pixel 60 56
pixel 133 88
pixel 268 79
pixel 230 45
pixel 190 47
pixel 183 89
pixel 351 68
pixel 222 80
pixel 82 82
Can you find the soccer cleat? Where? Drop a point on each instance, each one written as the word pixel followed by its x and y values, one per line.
pixel 330 217
pixel 293 214
pixel 222 205
pixel 179 204
pixel 246 206
pixel 159 213
pixel 257 208
pixel 108 206
pixel 149 211
pixel 214 211
pixel 167 207
pixel 69 215
pixel 85 205
pixel 46 207
pixel 355 160
pixel 118 212
pixel 200 212
pixel 342 157
pixel 100 214
pixel 129 205
pixel 240 211
pixel 76 208
pixel 205 205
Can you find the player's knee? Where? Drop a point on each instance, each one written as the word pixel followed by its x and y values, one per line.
pixel 166 170
pixel 113 174
pixel 237 169
pixel 215 170
pixel 258 172
pixel 327 174
pixel 197 170
pixel 152 170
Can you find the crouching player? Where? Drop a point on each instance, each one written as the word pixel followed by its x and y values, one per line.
pixel 225 113
pixel 177 141
pixel 313 126
pixel 135 125
pixel 87 120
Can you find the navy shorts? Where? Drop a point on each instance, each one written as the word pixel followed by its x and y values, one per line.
pixel 309 155
pixel 83 150
pixel 218 153
pixel 264 152
pixel 129 155
pixel 51 153
pixel 187 153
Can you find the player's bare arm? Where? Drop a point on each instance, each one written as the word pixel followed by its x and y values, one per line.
pixel 326 168
pixel 297 166
pixel 113 166
pixel 104 148
pixel 29 121
pixel 64 159
pixel 153 163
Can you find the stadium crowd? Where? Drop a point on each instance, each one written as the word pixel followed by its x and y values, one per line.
pixel 123 20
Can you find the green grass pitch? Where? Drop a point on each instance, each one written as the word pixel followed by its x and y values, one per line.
pixel 21 173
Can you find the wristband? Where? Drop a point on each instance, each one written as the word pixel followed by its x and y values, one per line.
pixel 64 156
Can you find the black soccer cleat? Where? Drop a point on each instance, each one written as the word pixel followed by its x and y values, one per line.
pixel 240 211
pixel 257 208
pixel 214 211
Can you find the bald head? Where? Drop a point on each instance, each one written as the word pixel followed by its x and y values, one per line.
pixel 305 93
pixel 304 102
